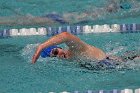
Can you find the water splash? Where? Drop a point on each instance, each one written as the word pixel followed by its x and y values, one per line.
pixel 28 50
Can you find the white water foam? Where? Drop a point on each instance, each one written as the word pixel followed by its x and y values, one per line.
pixel 28 51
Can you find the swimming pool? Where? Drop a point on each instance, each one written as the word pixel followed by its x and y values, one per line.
pixel 19 75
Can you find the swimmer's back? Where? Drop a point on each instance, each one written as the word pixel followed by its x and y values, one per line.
pixel 91 53
pixel 96 53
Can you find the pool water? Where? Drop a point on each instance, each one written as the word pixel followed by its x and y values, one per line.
pixel 25 13
pixel 18 75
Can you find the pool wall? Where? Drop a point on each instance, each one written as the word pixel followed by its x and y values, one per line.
pixel 50 31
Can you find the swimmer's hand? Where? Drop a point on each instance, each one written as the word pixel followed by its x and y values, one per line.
pixel 37 54
pixel 35 57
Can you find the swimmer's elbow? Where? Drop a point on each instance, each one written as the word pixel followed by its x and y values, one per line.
pixel 66 35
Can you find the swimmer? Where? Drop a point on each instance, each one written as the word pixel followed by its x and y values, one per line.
pixel 77 48
pixel 91 14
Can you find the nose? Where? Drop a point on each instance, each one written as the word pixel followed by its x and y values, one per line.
pixel 62 55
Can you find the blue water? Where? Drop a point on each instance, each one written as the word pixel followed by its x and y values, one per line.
pixel 18 75
pixel 34 13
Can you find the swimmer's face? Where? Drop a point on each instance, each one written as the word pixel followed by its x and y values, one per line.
pixel 58 52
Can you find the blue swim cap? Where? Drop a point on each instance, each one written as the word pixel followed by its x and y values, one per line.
pixel 47 51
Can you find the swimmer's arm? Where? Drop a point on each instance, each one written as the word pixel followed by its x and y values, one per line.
pixel 58 39
pixel 55 40
pixel 70 40
pixel 64 37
